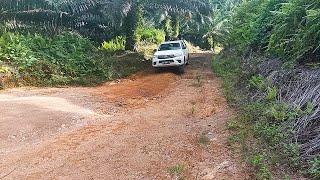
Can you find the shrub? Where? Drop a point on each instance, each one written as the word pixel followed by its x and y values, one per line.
pixel 150 35
pixel 291 154
pixel 271 134
pixel 148 39
pixel 314 170
pixel 289 29
pixel 296 31
pixel 258 82
pixel 262 116
pixel 258 162
pixel 114 45
pixel 64 59
pixel 227 68
pixel 280 97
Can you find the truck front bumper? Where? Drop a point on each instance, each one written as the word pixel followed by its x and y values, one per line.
pixel 176 61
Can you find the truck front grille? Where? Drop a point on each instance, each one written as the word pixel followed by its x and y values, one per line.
pixel 165 56
pixel 166 61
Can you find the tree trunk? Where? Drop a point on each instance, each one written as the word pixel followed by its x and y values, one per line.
pixel 171 27
pixel 175 26
pixel 132 22
pixel 167 27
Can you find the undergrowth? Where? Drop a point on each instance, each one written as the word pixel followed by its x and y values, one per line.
pixel 262 127
pixel 176 171
pixel 147 39
pixel 114 45
pixel 65 59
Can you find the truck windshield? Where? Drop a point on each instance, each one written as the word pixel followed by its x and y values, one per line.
pixel 169 46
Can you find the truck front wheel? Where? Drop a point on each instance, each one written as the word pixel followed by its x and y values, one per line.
pixel 157 69
pixel 181 69
pixel 187 63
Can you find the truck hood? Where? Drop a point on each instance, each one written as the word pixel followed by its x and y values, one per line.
pixel 169 52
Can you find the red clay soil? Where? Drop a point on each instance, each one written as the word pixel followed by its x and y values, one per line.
pixel 136 89
pixel 149 126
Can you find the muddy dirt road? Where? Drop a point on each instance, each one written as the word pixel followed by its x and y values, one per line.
pixel 149 126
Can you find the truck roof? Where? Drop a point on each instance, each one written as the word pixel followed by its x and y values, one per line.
pixel 168 42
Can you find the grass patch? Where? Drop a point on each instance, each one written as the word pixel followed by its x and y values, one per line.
pixel 233 125
pixel 193 109
pixel 228 71
pixel 176 170
pixel 203 139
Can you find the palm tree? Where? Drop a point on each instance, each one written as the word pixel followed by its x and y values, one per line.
pixel 132 9
pixel 86 16
pixel 173 12
pixel 218 28
pixel 91 17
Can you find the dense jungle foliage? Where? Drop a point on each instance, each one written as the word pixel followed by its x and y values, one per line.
pixel 286 29
pixel 64 59
pixel 270 62
pixel 54 42
pixel 270 67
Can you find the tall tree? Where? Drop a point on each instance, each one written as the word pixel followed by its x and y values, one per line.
pixel 92 17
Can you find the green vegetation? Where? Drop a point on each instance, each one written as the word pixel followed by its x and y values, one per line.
pixel 269 45
pixel 60 60
pixel 102 19
pixel 315 168
pixel 264 125
pixel 289 29
pixel 193 109
pixel 114 45
pixel 228 70
pixel 176 170
pixel 148 39
pixel 203 139
pixel 150 34
pixel 77 41
pixel 270 61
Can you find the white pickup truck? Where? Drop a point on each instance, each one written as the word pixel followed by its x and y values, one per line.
pixel 171 54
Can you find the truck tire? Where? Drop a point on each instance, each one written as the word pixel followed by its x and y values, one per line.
pixel 188 59
pixel 157 70
pixel 181 69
